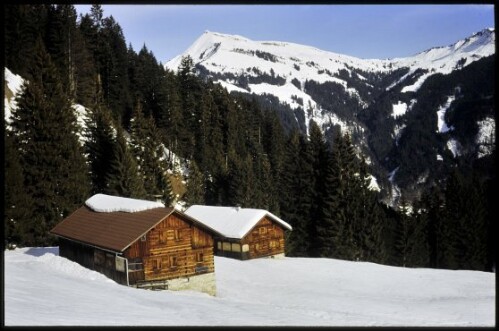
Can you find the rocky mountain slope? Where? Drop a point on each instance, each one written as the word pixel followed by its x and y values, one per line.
pixel 409 116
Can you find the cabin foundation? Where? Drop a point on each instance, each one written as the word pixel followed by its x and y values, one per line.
pixel 203 283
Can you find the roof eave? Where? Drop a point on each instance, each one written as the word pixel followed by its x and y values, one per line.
pixel 149 229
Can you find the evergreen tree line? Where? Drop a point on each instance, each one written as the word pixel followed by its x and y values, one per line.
pixel 237 152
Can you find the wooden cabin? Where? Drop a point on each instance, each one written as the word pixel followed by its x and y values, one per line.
pixel 139 243
pixel 246 233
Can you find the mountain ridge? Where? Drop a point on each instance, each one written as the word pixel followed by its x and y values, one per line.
pixel 368 98
pixel 235 62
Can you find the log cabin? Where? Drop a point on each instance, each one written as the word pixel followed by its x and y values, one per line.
pixel 246 233
pixel 140 243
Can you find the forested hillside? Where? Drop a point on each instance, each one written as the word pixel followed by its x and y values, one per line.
pixel 237 152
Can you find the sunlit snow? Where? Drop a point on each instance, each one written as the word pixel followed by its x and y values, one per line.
pixel 14 83
pixel 373 184
pixel 104 203
pixel 454 146
pixel 485 137
pixel 232 222
pixel 442 126
pixel 237 55
pixel 43 289
pixel 399 109
pixel 417 84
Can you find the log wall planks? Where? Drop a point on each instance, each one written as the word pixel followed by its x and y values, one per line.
pixel 265 239
pixel 174 248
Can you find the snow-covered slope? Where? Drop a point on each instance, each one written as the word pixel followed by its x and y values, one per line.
pixel 13 84
pixel 42 288
pixel 234 53
pixel 445 59
pixel 294 64
pixel 337 90
pixel 229 57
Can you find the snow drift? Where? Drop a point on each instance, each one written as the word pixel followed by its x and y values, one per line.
pixel 42 288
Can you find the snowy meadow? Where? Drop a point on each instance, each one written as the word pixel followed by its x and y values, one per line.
pixel 42 288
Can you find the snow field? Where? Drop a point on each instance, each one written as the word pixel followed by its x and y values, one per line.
pixel 441 124
pixel 42 288
pixel 399 109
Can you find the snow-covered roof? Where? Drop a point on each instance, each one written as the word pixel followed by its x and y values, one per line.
pixel 232 222
pixel 107 204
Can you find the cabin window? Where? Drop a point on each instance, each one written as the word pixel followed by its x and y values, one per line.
pixel 135 264
pixel 99 257
pixel 110 261
pixel 236 247
pixel 156 264
pixel 245 248
pixel 226 246
pixel 199 257
pixel 262 230
pixel 120 264
pixel 162 237
pixel 219 245
pixel 274 244
pixel 173 261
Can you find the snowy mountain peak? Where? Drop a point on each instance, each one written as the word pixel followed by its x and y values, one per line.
pixel 445 59
pixel 282 68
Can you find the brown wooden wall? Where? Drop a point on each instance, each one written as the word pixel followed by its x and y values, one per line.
pixel 92 258
pixel 265 239
pixel 174 248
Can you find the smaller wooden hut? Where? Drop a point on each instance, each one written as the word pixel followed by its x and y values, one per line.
pixel 246 233
pixel 139 243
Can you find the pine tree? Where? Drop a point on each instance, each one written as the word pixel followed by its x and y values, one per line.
pixel 201 129
pixel 273 140
pixel 411 237
pixel 23 25
pixel 326 225
pixel 370 230
pixel 61 31
pixel 240 179
pixel 17 203
pixel 372 237
pixel 84 70
pixel 114 70
pixel 465 223
pixel 449 226
pixel 171 119
pixel 431 206
pixel 149 153
pixel 345 168
pixel 100 146
pixel 188 96
pixel 45 131
pixel 404 235
pixel 421 247
pixel 195 194
pixel 318 150
pixel 124 179
pixel 296 194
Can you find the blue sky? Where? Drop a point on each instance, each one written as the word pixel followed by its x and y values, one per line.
pixel 365 31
